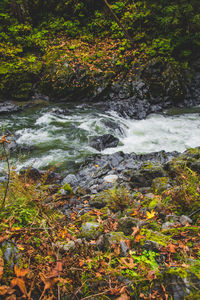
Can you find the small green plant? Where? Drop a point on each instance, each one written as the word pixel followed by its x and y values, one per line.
pixel 117 198
pixel 185 193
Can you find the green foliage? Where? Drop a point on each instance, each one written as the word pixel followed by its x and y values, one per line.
pixel 185 193
pixel 117 198
pixel 25 202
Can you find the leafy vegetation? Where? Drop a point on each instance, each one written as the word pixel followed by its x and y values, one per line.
pixel 139 30
pixel 45 254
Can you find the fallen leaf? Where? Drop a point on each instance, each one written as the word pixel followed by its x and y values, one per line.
pixel 4 289
pixel 123 297
pixel 151 214
pixel 172 248
pixel 20 272
pixel 138 238
pixel 11 297
pixel 20 283
pixel 48 282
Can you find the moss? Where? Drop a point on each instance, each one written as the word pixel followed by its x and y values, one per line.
pixel 155 237
pixel 181 272
pixel 174 231
pixel 67 188
pixel 160 184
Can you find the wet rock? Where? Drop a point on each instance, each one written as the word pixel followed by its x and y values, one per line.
pixel 110 178
pixel 105 141
pixel 9 108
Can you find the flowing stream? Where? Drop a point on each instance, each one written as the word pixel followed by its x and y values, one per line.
pixel 59 134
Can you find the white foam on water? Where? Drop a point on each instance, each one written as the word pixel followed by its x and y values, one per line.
pixel 158 132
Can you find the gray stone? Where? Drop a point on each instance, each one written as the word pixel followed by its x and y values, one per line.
pixel 184 220
pixel 151 245
pixel 124 248
pixel 110 178
pixel 167 225
pixel 71 179
pixel 91 230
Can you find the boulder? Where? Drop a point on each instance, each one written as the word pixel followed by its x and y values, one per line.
pixel 9 108
pixel 104 141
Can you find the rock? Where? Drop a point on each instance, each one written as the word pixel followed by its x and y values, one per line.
pixel 160 184
pixel 184 220
pixel 71 179
pixel 10 253
pixel 145 175
pixel 9 108
pixel 125 224
pixel 113 238
pixel 105 141
pixel 110 178
pixel 167 225
pixel 31 173
pixel 152 245
pixel 124 248
pixel 91 230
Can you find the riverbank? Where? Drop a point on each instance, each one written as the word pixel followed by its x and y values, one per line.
pixel 131 236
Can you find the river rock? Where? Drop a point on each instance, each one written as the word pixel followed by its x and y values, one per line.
pixel 9 108
pixel 110 178
pixel 71 179
pixel 145 175
pixel 105 141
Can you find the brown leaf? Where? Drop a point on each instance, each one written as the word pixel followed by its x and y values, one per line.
pixel 20 283
pixel 20 272
pixel 56 271
pixel 151 275
pixel 11 297
pixel 123 297
pixel 135 231
pixel 48 282
pixel 172 248
pixel 4 289
pixel 138 238
pixel 1 267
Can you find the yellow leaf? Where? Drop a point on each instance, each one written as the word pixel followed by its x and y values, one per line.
pixel 151 214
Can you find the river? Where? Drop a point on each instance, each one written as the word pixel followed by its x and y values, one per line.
pixel 59 134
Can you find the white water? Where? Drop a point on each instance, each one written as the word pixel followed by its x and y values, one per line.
pixel 64 138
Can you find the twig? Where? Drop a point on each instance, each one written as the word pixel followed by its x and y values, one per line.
pixel 78 290
pixel 118 22
pixel 99 294
pixel 8 181
pixel 195 212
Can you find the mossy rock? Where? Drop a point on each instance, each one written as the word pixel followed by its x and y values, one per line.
pixel 126 224
pixel 156 237
pixel 91 230
pixel 145 175
pixel 160 184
